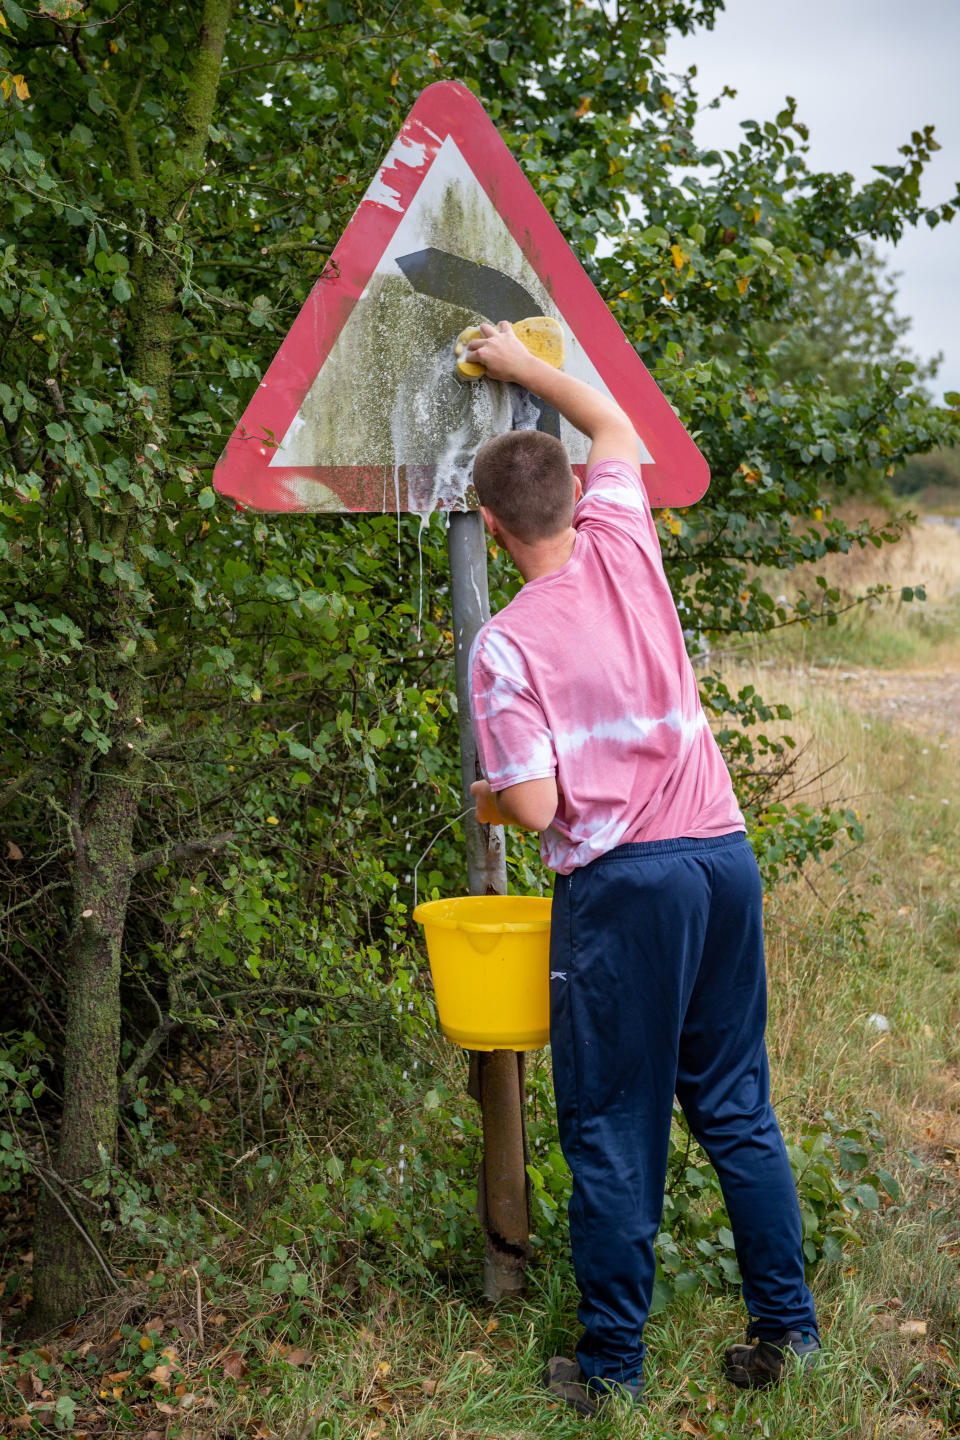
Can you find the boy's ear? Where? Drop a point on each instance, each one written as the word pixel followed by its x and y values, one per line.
pixel 490 520
pixel 577 489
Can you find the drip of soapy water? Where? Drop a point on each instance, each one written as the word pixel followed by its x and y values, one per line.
pixel 436 414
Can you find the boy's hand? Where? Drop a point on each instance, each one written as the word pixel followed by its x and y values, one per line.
pixel 502 355
pixel 597 415
pixel 531 804
pixel 487 812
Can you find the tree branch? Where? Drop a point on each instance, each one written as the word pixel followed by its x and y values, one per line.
pixel 32 899
pixel 37 995
pixel 132 1074
pixel 180 851
pixel 16 449
pixel 125 126
pixel 19 782
pixel 41 1176
pixel 76 818
pixel 201 88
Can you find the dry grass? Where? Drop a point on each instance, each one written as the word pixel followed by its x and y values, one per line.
pixel 928 554
pixel 888 745
pixel 885 631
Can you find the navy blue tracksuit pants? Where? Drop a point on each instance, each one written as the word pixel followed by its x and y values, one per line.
pixel 658 987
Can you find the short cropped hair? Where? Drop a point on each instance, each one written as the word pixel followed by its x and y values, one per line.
pixel 525 478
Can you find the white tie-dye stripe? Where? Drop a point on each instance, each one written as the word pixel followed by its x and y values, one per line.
pixel 627 730
pixel 624 496
pixel 502 655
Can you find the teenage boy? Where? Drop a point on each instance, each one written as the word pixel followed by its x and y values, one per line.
pixel 590 731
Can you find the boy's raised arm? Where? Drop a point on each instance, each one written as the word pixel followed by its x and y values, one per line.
pixel 504 357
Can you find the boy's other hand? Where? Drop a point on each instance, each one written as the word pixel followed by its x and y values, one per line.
pixel 502 355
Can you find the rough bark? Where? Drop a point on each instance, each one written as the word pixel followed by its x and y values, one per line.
pixel 68 1266
pixel 166 198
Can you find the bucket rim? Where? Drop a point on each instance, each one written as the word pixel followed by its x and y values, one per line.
pixel 483 927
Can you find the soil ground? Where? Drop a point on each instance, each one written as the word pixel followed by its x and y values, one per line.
pixel 926 701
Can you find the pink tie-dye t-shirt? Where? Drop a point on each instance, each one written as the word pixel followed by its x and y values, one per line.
pixel 585 676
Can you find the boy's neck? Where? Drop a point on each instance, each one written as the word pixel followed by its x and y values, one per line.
pixel 543 557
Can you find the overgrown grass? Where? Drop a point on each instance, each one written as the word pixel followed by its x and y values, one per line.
pixel 884 634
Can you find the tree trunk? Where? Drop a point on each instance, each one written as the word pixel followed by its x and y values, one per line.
pixel 70 1268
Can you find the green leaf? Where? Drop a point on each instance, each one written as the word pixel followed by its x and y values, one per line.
pixel 207 498
pixel 832 1249
pixel 127 572
pixel 14 14
pixel 65 1409
pixel 889 1182
pixel 663 1295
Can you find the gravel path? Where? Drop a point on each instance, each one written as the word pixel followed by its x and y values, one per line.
pixel 927 701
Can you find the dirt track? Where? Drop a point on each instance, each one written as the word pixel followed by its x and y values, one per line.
pixel 927 701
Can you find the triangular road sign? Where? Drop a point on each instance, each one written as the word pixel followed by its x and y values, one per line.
pixel 361 408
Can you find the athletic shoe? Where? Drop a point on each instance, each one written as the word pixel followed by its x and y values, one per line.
pixel 565 1380
pixel 754 1367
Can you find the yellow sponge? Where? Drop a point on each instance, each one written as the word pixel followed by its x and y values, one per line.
pixel 469 369
pixel 542 335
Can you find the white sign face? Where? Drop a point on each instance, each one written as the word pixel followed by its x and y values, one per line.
pixel 363 407
pixel 388 393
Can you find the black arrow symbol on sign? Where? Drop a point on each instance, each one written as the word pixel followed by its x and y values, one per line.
pixel 461 282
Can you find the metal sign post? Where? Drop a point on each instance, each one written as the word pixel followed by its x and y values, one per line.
pixel 497 1077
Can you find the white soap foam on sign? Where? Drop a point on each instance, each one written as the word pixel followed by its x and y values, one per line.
pixel 387 393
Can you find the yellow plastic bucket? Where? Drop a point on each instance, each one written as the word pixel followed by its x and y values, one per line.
pixel 490 960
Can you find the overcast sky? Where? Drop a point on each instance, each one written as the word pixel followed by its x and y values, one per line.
pixel 865 73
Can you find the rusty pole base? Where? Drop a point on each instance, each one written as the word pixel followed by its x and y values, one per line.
pixel 503 1275
pixel 497 1082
